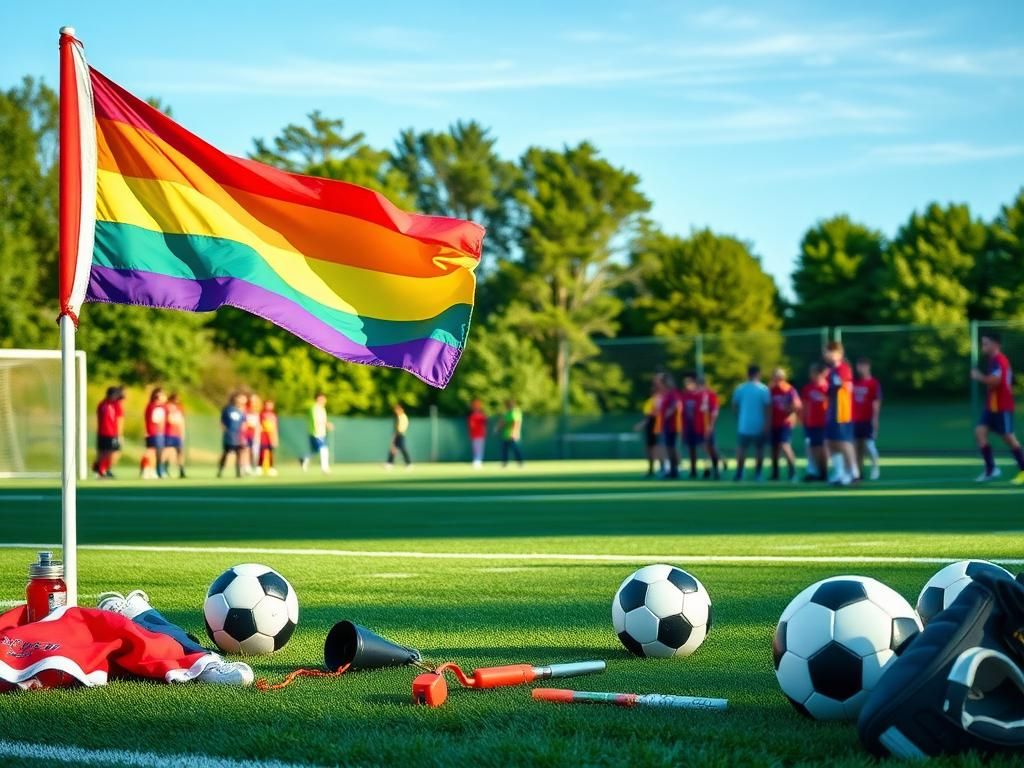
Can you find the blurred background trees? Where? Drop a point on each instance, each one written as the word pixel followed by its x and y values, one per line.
pixel 570 264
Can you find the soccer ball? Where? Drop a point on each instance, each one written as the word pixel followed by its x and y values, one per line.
pixel 251 609
pixel 661 611
pixel 944 587
pixel 835 639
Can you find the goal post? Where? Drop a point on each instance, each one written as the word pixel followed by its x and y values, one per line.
pixel 30 413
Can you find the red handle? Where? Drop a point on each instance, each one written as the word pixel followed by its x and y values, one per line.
pixel 496 677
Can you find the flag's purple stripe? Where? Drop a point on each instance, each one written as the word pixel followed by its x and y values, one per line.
pixel 429 359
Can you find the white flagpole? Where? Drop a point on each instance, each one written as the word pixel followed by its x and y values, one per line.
pixel 77 226
pixel 69 473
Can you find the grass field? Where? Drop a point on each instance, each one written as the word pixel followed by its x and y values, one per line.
pixel 489 568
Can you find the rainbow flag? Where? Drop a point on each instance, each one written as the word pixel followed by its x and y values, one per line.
pixel 182 225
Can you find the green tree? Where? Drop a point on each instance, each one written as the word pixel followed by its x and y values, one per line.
pixel 458 173
pixel 836 276
pixel 322 149
pixel 930 265
pixel 707 284
pixel 998 282
pixel 578 212
pixel 28 215
pixel 142 345
pixel 498 364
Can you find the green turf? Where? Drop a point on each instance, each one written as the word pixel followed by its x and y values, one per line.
pixel 503 609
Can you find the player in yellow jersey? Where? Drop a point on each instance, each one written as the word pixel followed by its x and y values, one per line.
pixel 398 438
pixel 651 427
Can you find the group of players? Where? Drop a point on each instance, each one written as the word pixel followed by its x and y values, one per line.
pixel 839 415
pixel 249 425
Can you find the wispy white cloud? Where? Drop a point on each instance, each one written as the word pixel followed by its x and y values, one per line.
pixel 941 153
pixel 391 38
pixel 808 116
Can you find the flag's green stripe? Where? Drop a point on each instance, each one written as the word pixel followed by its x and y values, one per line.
pixel 199 257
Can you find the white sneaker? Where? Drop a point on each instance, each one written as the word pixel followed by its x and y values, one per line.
pixel 112 601
pixel 984 477
pixel 227 673
pixel 272 472
pixel 876 473
pixel 136 602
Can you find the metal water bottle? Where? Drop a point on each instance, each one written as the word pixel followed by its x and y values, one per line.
pixel 46 590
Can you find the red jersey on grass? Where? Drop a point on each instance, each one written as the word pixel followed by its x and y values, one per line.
pixel 866 392
pixel 108 414
pixel 1000 394
pixel 692 402
pixel 785 404
pixel 815 398
pixel 156 419
pixel 87 646
pixel 477 425
pixel 672 411
pixel 175 421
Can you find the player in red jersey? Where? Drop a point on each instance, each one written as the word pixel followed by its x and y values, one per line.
pixel 109 432
pixel 174 436
pixel 998 414
pixel 814 415
pixel 476 422
pixel 709 409
pixel 156 425
pixel 671 424
pixel 867 405
pixel 785 407
pixel 692 402
pixel 839 427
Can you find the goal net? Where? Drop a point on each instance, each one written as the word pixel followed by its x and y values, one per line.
pixel 30 413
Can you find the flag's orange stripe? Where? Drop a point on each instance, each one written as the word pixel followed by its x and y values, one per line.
pixel 114 103
pixel 311 232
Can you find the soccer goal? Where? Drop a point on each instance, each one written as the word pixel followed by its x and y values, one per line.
pixel 30 428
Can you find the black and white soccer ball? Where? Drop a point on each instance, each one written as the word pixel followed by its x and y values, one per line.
pixel 251 609
pixel 661 611
pixel 946 585
pixel 834 640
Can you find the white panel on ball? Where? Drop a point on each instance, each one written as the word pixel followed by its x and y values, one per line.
pixel 795 678
pixel 863 627
pixel 257 645
pixel 697 636
pixel 664 599
pixel 270 615
pixel 251 569
pixel 696 608
pixel 809 630
pixel 642 625
pixel 225 642
pixel 652 573
pixel 292 604
pixel 215 609
pixel 244 592
pixel 824 708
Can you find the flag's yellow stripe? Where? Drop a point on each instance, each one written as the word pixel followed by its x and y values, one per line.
pixel 176 208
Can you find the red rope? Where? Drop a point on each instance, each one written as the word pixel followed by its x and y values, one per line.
pixel 263 685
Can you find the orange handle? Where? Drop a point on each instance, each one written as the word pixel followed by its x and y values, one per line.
pixel 495 677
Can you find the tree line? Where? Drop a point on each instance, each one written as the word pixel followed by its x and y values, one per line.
pixel 571 257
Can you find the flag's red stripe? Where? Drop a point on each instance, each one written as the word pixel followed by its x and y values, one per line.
pixel 70 177
pixel 115 103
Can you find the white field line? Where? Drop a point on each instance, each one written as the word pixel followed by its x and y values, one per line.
pixel 20 750
pixel 503 556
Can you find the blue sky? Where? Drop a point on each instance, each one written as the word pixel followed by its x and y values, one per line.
pixel 756 119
